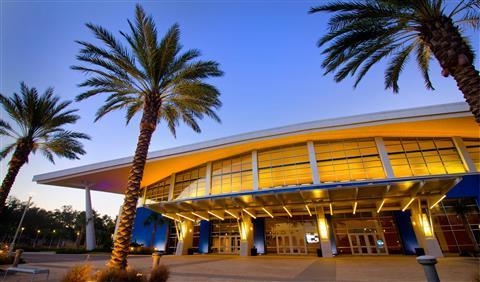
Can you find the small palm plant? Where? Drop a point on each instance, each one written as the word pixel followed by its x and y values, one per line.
pixel 362 33
pixel 155 219
pixel 152 77
pixel 40 122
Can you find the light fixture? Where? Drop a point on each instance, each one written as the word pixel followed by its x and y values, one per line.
pixel 215 215
pixel 355 207
pixel 427 230
pixel 202 217
pixel 439 200
pixel 323 228
pixel 381 205
pixel 167 216
pixel 331 209
pixel 285 208
pixel 408 204
pixel 186 217
pixel 249 213
pixel 308 210
pixel 233 215
pixel 265 210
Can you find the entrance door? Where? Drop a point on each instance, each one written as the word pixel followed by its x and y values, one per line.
pixel 363 243
pixel 229 244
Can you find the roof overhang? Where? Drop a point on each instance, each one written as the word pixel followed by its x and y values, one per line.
pixel 395 194
pixel 111 176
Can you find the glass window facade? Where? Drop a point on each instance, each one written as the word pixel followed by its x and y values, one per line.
pixel 423 156
pixel 284 166
pixel 473 149
pixel 190 183
pixel 158 191
pixel 348 160
pixel 232 175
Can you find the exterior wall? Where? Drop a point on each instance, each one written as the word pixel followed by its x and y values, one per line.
pixel 323 161
pixel 142 233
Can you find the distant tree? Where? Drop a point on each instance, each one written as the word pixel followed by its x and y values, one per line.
pixel 39 123
pixel 362 33
pixel 153 78
pixel 155 219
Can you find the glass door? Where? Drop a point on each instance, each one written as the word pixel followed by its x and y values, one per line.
pixel 364 244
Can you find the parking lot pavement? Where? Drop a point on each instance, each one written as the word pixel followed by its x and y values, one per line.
pixel 227 268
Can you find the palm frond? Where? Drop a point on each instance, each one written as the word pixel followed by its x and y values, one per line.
pixel 395 67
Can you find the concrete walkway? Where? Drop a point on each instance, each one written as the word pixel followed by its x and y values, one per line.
pixel 227 268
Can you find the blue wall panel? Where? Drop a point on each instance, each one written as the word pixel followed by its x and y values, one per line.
pixel 333 243
pixel 259 235
pixel 204 242
pixel 468 187
pixel 142 234
pixel 405 228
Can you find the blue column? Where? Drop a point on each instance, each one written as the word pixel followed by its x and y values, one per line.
pixel 405 230
pixel 259 235
pixel 204 242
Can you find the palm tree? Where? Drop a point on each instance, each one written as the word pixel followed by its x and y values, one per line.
pixel 150 76
pixel 361 33
pixel 462 209
pixel 39 123
pixel 155 219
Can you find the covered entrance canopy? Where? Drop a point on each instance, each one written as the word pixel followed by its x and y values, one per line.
pixel 333 198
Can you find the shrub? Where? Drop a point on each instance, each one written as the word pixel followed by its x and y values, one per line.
pixel 120 275
pixel 79 273
pixel 159 274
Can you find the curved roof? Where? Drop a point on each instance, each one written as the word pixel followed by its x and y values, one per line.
pixel 452 119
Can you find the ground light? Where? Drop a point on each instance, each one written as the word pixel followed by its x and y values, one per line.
pixel 215 215
pixel 439 200
pixel 265 210
pixel 285 208
pixel 408 204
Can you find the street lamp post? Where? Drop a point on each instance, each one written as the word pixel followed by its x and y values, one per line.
pixel 36 237
pixel 12 245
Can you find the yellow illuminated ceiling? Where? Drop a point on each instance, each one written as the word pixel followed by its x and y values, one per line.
pixel 114 178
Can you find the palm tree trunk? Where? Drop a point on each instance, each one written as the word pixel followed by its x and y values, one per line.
pixel 19 158
pixel 455 57
pixel 124 233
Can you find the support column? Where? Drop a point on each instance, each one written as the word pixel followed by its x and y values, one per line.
pixel 255 169
pixel 462 151
pixel 324 234
pixel 90 228
pixel 208 179
pixel 185 237
pixel 382 152
pixel 313 162
pixel 422 226
pixel 117 222
pixel 246 235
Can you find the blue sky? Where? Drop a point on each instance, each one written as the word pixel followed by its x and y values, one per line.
pixel 266 48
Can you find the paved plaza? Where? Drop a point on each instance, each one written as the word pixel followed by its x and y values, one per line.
pixel 227 268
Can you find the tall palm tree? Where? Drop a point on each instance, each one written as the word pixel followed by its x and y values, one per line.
pixel 40 122
pixel 150 76
pixel 155 219
pixel 363 32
